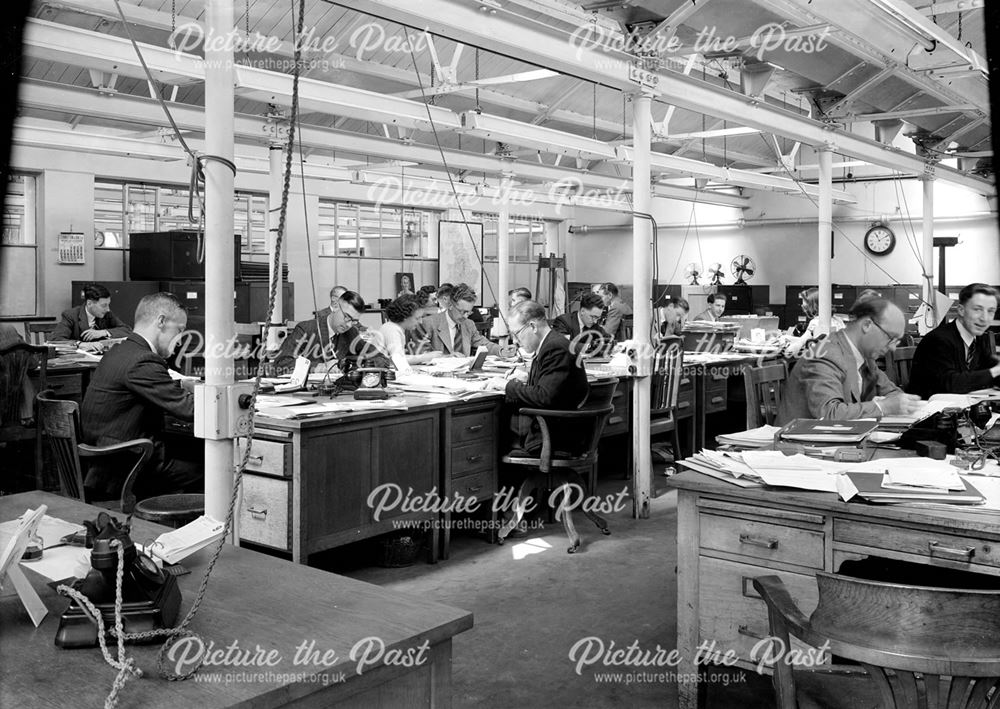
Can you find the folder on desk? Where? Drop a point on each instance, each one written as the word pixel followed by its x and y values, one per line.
pixel 823 431
pixel 870 488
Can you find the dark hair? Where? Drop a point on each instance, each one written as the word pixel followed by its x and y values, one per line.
pixel 870 308
pixel 403 307
pixel 682 304
pixel 155 304
pixel 972 289
pixel 591 300
pixel 527 310
pixel 610 288
pixel 811 297
pixel 354 300
pixel 427 290
pixel 712 297
pixel 95 291
pixel 445 289
pixel 523 292
pixel 463 292
pixel 423 298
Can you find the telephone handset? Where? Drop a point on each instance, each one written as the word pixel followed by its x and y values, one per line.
pixel 151 599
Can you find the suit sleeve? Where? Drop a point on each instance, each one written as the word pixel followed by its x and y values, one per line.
pixel 116 328
pixel 148 379
pixel 285 359
pixel 553 374
pixel 613 321
pixel 824 385
pixel 884 385
pixel 479 340
pixel 946 374
pixel 64 330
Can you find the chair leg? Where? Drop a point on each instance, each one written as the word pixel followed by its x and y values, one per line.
pixel 565 514
pixel 677 443
pixel 520 506
pixel 573 477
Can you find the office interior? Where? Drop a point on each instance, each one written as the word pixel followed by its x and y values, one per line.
pixel 526 119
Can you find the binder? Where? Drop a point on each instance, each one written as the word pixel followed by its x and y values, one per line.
pixel 870 488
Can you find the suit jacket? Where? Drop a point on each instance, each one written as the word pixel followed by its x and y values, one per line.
pixel 306 341
pixel 706 314
pixel 612 324
pixel 594 337
pixel 73 322
pixel 939 364
pixel 129 393
pixel 471 339
pixel 825 385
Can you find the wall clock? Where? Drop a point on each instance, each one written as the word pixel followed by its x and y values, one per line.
pixel 880 240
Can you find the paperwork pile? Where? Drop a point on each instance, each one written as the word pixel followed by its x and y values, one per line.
pixel 750 468
pixel 754 438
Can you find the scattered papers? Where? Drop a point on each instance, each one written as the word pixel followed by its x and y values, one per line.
pixel 57 563
pixel 178 377
pixel 933 478
pixel 171 547
pixel 267 401
pixel 298 378
pixel 415 381
pixel 331 407
pixel 753 438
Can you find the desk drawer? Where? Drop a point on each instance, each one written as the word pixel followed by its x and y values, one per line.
pixel 472 457
pixel 472 427
pixel 479 485
pixel 65 384
pixel 715 392
pixel 734 616
pixel 685 396
pixel 763 540
pixel 266 512
pixel 268 457
pixel 931 545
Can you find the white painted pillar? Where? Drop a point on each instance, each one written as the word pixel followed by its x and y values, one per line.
pixel 825 238
pixel 275 154
pixel 503 261
pixel 218 242
pixel 642 275
pixel 927 249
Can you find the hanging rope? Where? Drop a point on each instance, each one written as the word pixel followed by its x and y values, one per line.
pixel 479 109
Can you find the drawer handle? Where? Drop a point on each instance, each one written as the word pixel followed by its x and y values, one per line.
pixel 744 630
pixel 474 458
pixel 717 399
pixel 257 513
pixel 758 542
pixel 473 429
pixel 683 404
pixel 474 488
pixel 255 459
pixel 943 552
pixel 748 590
pixel 614 420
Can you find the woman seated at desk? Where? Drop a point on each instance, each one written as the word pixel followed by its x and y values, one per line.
pixel 810 306
pixel 403 315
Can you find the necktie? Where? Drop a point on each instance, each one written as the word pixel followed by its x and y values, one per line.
pixel 867 383
pixel 970 356
pixel 457 338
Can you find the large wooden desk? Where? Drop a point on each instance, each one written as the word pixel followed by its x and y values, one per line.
pixel 307 485
pixel 727 535
pixel 255 601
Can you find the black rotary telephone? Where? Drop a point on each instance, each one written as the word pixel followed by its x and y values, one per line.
pixel 151 599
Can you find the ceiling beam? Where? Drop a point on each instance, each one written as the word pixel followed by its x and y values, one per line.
pixel 914 112
pixel 546 48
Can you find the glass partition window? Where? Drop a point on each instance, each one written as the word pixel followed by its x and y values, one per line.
pixel 527 238
pixel 19 212
pixel 370 231
pixel 109 215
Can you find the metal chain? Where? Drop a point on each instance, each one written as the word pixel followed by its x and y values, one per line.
pixel 959 25
pixel 479 109
pixel 595 112
pixel 173 16
pixel 247 16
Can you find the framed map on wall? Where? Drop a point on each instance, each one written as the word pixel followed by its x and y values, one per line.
pixel 460 250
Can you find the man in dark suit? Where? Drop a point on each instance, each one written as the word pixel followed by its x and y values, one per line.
pixel 557 379
pixel 338 332
pixel 839 380
pixel 129 393
pixel 956 357
pixel 451 330
pixel 91 321
pixel 615 310
pixel 581 327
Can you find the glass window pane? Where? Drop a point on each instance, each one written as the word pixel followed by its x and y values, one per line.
pixel 172 210
pixel 327 228
pixel 258 224
pixel 109 221
pixel 140 208
pixel 491 243
pixel 520 240
pixel 19 211
pixel 416 234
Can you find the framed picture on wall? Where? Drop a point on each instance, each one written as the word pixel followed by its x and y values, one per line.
pixel 460 250
pixel 404 283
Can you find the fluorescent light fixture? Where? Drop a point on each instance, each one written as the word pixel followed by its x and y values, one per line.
pixel 528 135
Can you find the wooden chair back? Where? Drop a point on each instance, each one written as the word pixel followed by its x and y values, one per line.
pixel 625 328
pixel 38 332
pixel 60 426
pixel 668 362
pixel 764 386
pixel 18 362
pixel 932 648
pixel 898 363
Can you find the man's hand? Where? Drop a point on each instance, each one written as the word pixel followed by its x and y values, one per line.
pixel 497 384
pixel 508 351
pixel 92 334
pixel 518 375
pixel 900 403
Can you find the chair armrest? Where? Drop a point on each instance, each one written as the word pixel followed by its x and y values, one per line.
pixel 138 444
pixel 562 414
pixel 772 590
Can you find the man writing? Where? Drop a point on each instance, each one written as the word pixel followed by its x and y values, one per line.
pixel 451 330
pixel 581 327
pixel 129 393
pixel 956 357
pixel 841 380
pixel 557 379
pixel 334 329
pixel 91 321
pixel 674 314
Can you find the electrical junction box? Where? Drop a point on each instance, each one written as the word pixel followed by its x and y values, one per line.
pixel 217 411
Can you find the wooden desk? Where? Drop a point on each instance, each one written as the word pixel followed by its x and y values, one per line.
pixel 727 535
pixel 255 601
pixel 308 483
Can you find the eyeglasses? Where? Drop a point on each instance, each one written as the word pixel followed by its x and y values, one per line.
pixel 351 320
pixel 516 334
pixel 893 339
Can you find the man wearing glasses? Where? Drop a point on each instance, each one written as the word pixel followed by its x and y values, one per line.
pixel 841 380
pixel 557 379
pixel 451 330
pixel 582 328
pixel 335 329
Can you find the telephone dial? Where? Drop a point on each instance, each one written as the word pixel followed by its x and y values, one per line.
pixel 151 599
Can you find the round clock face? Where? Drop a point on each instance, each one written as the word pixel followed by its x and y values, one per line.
pixel 99 239
pixel 880 240
pixel 371 380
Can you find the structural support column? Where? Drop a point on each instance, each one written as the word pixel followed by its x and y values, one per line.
pixel 825 238
pixel 276 175
pixel 927 249
pixel 219 125
pixel 503 261
pixel 642 275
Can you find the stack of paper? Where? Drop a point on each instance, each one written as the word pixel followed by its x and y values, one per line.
pixel 414 381
pixel 331 407
pixel 754 438
pixel 822 431
pixel 178 544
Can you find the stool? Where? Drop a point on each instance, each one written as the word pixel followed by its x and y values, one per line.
pixel 172 510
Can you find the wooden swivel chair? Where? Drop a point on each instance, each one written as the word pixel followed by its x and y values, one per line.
pixel 17 362
pixel 920 647
pixel 38 332
pixel 763 389
pixel 552 464
pixel 60 426
pixel 668 363
pixel 898 363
